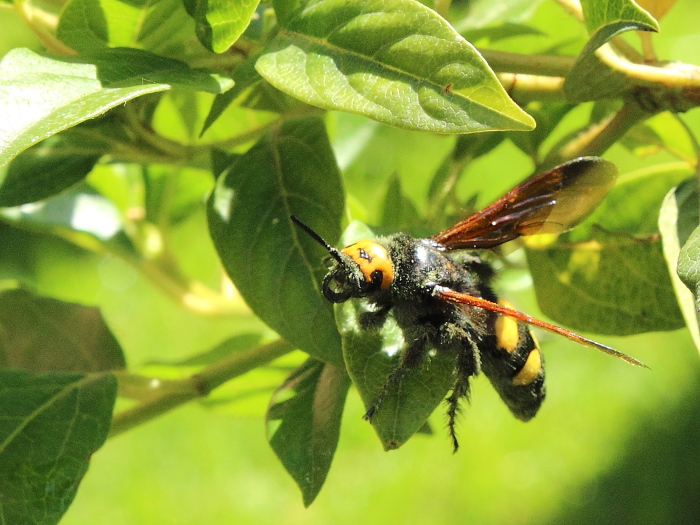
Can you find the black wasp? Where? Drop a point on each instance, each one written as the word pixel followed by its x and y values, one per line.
pixel 440 295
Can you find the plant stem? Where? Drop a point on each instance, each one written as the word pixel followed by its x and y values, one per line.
pixel 168 395
pixel 442 7
pixel 600 136
pixel 526 88
pixel 543 65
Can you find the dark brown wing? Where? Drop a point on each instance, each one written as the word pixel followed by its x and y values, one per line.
pixel 470 300
pixel 551 202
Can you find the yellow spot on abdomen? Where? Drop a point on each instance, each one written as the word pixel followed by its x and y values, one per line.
pixel 528 373
pixel 507 334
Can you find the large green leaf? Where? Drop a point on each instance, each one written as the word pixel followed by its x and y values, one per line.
pixel 303 423
pixel 50 425
pixel 589 79
pixel 372 356
pixel 81 88
pixel 42 334
pixel 219 23
pixel 678 224
pixel 275 266
pixel 614 279
pixel 395 61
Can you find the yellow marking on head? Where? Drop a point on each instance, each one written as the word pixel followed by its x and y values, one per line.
pixel 370 257
pixel 528 373
pixel 507 334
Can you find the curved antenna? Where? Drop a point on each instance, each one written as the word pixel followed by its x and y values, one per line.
pixel 315 236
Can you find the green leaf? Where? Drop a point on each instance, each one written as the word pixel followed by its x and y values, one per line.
pixel 303 423
pixel 166 30
pixel 275 266
pixel 42 334
pixel 678 223
pixel 372 356
pixel 83 23
pixel 394 61
pixel 609 275
pixel 602 14
pixel 219 23
pixel 398 212
pixel 81 88
pixel 50 425
pixel 616 286
pixel 244 76
pixel 589 78
pixel 48 168
pixel 90 25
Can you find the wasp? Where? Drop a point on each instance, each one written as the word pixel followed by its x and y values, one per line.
pixel 440 293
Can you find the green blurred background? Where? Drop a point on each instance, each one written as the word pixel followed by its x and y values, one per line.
pixel 612 443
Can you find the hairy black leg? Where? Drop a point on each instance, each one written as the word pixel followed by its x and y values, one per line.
pixel 374 320
pixel 410 358
pixel 467 365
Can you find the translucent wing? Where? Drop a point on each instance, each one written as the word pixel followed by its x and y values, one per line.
pixel 551 202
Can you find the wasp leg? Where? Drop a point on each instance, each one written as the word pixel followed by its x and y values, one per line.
pixel 374 320
pixel 467 365
pixel 411 356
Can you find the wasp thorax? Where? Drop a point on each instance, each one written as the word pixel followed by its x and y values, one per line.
pixel 365 268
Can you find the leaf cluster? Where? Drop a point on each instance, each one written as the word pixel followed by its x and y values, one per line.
pixel 151 154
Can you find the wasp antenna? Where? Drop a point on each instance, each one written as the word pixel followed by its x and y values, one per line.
pixel 470 300
pixel 315 236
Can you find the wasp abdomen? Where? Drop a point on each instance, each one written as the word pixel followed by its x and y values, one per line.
pixel 515 367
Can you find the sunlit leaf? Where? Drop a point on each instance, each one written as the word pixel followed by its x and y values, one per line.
pixel 603 14
pixel 82 88
pixel 678 223
pixel 394 61
pixel 219 23
pixel 589 79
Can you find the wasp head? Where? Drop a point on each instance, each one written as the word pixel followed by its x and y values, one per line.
pixel 359 269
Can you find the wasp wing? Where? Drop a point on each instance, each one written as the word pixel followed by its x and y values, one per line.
pixel 551 202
